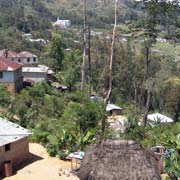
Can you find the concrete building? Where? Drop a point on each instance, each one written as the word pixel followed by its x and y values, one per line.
pixel 36 74
pixel 28 58
pixel 11 75
pixel 14 144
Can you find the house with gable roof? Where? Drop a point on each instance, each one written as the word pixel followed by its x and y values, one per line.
pixel 14 145
pixel 28 58
pixel 11 75
pixel 10 55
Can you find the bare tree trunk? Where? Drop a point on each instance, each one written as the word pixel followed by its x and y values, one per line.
pixel 148 102
pixel 146 75
pixel 103 126
pixel 112 54
pixel 84 51
pixel 89 58
pixel 135 92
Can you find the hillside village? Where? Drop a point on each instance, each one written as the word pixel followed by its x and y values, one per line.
pixel 89 90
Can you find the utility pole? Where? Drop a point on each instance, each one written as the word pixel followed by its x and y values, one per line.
pixel 84 51
pixel 89 57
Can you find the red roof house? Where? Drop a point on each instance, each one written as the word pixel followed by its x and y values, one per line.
pixel 24 57
pixel 7 65
pixel 11 75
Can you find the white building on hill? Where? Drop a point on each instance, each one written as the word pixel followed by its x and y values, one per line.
pixel 62 23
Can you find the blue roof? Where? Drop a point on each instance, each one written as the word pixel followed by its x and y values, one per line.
pixel 10 132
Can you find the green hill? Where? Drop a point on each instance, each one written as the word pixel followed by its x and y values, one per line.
pixel 35 16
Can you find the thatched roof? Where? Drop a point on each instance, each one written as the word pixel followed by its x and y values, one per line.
pixel 118 160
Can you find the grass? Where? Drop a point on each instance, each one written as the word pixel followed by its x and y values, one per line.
pixel 169 48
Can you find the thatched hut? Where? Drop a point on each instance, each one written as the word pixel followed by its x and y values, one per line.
pixel 118 160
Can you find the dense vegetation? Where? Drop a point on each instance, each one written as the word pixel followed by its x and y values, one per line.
pixel 145 73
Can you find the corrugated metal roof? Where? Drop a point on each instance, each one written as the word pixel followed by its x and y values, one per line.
pixel 110 107
pixel 38 69
pixel 10 132
pixel 157 117
pixel 12 54
pixel 7 65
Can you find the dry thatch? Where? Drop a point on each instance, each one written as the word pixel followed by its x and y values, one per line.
pixel 118 160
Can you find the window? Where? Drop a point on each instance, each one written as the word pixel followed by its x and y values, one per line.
pixel 7 147
pixel 28 59
pixel 19 60
pixel 34 59
pixel 1 75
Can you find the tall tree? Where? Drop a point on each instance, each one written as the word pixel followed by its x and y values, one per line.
pixel 56 52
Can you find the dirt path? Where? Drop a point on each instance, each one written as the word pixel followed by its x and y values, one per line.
pixel 40 166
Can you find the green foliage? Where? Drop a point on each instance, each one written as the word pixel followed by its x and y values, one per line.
pixel 171 92
pixel 60 121
pixel 133 130
pixel 51 149
pixel 56 52
pixel 5 98
pixel 173 163
pixel 71 68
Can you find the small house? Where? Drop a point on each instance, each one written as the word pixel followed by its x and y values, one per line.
pixel 14 145
pixel 10 55
pixel 113 109
pixel 11 75
pixel 28 58
pixel 36 74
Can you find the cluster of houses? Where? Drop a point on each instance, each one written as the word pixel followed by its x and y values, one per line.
pixel 20 69
pixel 117 121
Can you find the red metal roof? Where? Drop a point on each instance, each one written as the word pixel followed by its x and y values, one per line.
pixel 11 54
pixel 26 54
pixel 7 65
